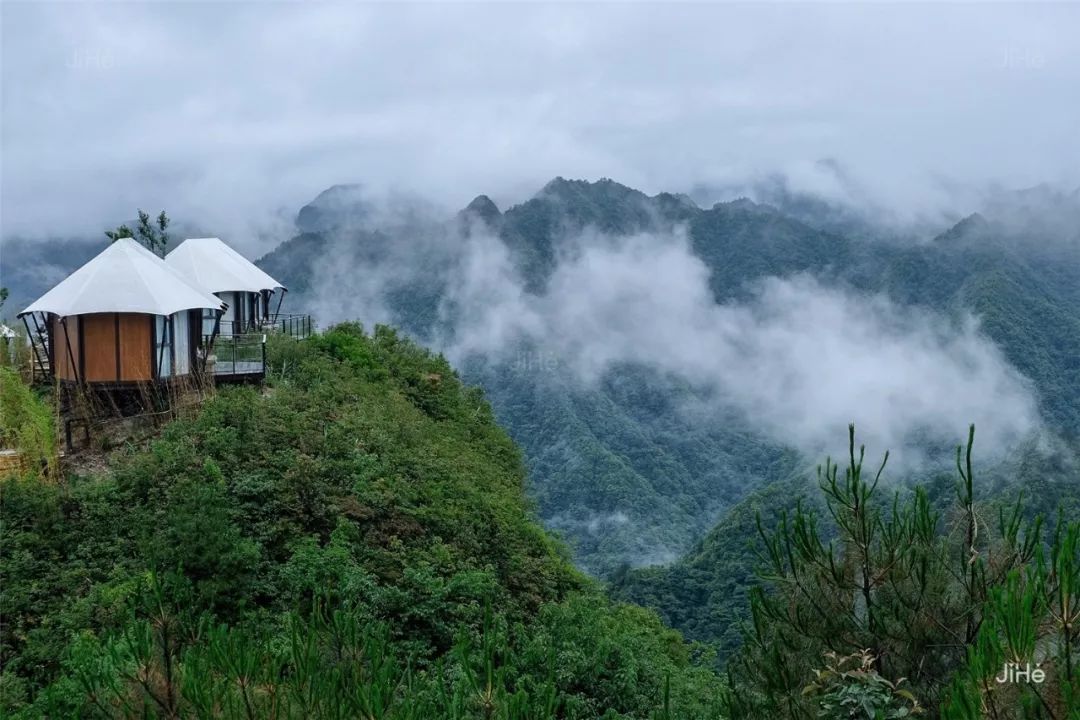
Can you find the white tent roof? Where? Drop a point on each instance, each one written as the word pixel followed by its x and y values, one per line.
pixel 125 277
pixel 218 268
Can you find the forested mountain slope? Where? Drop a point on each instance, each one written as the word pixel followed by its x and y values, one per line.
pixel 354 541
pixel 616 466
pixel 617 463
pixel 706 592
pixel 31 267
pixel 579 313
pixel 1023 288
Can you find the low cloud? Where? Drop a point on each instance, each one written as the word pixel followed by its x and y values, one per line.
pixel 224 113
pixel 799 360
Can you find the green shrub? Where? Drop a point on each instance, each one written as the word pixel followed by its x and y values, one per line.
pixel 26 423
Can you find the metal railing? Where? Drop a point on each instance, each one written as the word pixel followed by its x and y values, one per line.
pixel 294 325
pixel 236 354
pixel 230 328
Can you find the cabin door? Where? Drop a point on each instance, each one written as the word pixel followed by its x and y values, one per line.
pixel 209 322
pixel 163 345
pixel 182 342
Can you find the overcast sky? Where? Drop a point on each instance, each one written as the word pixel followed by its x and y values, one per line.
pixel 233 115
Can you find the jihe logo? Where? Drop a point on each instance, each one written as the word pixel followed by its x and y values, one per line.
pixel 1015 673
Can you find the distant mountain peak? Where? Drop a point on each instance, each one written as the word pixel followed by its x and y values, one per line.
pixel 484 208
pixel 743 203
pixel 678 201
pixel 556 185
pixel 335 206
pixel 970 228
pixel 973 222
pixel 340 191
pixel 562 188
pixel 481 210
pixel 747 205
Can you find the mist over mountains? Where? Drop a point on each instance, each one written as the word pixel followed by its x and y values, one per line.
pixel 670 368
pixel 657 360
pixel 611 303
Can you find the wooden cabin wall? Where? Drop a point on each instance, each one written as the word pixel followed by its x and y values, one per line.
pixel 100 360
pixel 61 358
pixel 116 347
pixel 135 342
pixel 105 347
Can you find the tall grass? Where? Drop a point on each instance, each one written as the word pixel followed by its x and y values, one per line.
pixel 26 423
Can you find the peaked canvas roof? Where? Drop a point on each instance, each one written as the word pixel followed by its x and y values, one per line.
pixel 218 268
pixel 124 277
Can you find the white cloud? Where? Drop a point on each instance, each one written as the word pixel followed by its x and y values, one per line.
pixel 225 113
pixel 800 359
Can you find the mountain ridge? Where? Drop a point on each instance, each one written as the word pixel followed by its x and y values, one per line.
pixel 741 242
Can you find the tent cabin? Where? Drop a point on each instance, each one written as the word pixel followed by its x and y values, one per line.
pixel 246 289
pixel 8 343
pixel 125 317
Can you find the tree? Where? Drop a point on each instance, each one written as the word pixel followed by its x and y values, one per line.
pixel 122 231
pixel 936 608
pixel 152 235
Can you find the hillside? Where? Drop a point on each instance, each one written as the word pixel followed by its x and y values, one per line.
pixel 608 328
pixel 354 537
pixel 706 593
pixel 616 463
pixel 651 473
pixel 31 267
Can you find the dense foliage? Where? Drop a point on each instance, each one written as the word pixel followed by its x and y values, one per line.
pixel 629 480
pixel 705 594
pixel 153 235
pixel 1019 270
pixel 26 423
pixel 935 607
pixel 352 541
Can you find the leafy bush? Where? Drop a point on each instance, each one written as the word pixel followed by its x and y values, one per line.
pixel 849 688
